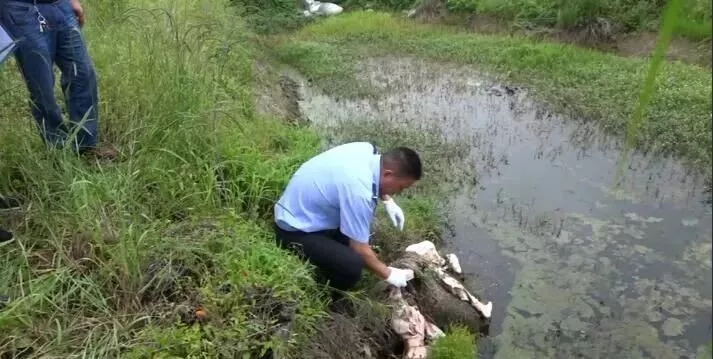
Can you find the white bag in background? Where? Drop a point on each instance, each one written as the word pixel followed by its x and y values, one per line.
pixel 321 8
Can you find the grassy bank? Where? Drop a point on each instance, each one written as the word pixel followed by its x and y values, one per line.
pixel 124 259
pixel 586 83
pixel 600 16
pixel 99 247
pixel 167 252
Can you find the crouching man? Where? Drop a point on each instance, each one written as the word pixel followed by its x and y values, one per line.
pixel 326 211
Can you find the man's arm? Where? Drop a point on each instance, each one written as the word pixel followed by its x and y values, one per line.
pixel 356 215
pixel 372 262
pixel 78 11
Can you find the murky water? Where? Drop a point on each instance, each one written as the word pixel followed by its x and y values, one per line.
pixel 576 266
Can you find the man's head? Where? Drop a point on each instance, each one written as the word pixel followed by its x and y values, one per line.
pixel 400 169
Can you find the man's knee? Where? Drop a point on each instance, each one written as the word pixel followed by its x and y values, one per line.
pixel 349 274
pixel 283 241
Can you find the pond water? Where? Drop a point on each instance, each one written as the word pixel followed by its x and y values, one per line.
pixel 580 260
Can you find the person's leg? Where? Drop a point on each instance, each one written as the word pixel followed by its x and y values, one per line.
pixel 34 54
pixel 79 80
pixel 340 265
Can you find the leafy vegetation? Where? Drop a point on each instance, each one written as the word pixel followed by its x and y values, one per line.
pixel 458 343
pixel 628 15
pixel 382 4
pixel 272 16
pixel 635 123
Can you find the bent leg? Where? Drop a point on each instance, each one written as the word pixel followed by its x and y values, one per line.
pixel 340 265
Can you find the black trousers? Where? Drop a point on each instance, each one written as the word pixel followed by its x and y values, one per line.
pixel 329 251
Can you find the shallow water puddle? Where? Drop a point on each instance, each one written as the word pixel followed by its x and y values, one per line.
pixel 576 267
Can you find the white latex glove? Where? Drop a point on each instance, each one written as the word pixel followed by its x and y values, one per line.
pixel 399 277
pixel 395 213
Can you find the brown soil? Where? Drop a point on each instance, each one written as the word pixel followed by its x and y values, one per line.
pixel 353 336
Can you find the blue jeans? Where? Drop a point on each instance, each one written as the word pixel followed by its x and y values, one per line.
pixel 39 47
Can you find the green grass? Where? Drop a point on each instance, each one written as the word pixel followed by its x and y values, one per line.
pixel 458 343
pixel 583 82
pixel 176 99
pixel 626 16
pixel 271 16
pixel 635 123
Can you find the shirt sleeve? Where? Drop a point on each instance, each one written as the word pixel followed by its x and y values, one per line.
pixel 356 212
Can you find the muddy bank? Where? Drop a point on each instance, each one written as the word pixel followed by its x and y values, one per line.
pixel 277 93
pixel 584 262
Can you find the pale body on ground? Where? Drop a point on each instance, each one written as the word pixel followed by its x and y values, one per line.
pixel 408 321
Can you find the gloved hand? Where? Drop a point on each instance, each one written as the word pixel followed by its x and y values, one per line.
pixel 399 277
pixel 395 213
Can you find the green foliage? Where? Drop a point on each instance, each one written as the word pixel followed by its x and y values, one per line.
pixel 458 343
pixel 631 15
pixel 251 280
pixel 628 15
pixel 649 87
pixel 381 4
pixel 272 16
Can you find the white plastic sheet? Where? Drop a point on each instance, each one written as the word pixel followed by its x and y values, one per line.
pixel 6 45
pixel 319 8
pixel 427 250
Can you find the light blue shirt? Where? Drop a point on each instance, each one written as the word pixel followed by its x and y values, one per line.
pixel 337 189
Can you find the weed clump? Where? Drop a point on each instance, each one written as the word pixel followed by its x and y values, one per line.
pixel 458 343
pixel 273 16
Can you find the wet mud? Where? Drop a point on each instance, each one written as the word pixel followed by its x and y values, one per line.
pixel 583 254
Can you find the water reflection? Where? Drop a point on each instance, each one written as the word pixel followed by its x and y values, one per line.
pixel 579 263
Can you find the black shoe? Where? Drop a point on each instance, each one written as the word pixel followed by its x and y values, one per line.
pixel 9 202
pixel 5 235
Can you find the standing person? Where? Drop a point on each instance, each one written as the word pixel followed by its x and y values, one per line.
pixel 326 211
pixel 47 32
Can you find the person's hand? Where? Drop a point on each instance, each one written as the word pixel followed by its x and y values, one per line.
pixel 399 277
pixel 78 11
pixel 395 213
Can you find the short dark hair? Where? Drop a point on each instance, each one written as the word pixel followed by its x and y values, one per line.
pixel 405 160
